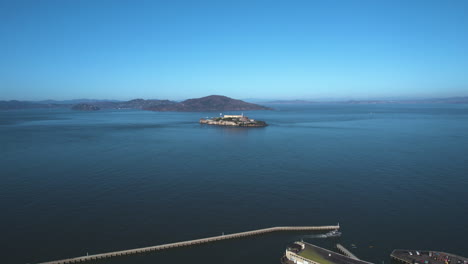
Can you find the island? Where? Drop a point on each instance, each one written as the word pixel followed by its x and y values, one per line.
pixel 208 104
pixel 233 120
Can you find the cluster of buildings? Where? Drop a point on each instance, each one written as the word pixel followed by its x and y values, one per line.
pixel 233 120
pixel 305 253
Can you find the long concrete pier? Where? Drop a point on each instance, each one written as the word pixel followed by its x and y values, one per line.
pixel 346 252
pixel 190 243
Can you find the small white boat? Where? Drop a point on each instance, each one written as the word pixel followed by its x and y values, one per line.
pixel 334 233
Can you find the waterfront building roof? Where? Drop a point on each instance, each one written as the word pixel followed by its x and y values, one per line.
pixel 313 254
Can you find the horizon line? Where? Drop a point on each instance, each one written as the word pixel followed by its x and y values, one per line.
pixel 323 99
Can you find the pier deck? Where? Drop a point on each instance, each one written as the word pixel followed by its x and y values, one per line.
pixel 426 257
pixel 190 243
pixel 315 254
pixel 346 252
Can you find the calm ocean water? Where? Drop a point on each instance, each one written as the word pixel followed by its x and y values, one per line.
pixel 393 176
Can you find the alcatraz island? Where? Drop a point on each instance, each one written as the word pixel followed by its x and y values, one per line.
pixel 233 120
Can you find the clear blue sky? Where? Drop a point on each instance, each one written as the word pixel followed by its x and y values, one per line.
pixel 243 49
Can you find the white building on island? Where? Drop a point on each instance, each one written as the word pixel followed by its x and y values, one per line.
pixel 233 116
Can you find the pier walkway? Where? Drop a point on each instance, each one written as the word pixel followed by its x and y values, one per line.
pixel 190 243
pixel 425 256
pixel 346 252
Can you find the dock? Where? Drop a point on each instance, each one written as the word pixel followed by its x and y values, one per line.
pixel 303 252
pixel 426 256
pixel 346 252
pixel 191 243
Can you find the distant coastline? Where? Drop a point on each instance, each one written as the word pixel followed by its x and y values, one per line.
pixel 85 107
pixel 448 100
pixel 206 104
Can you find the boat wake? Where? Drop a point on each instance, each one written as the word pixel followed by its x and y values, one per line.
pixel 334 233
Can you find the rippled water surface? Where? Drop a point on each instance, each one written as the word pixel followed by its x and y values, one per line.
pixel 393 176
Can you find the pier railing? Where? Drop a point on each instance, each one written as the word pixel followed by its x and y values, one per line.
pixel 346 252
pixel 190 243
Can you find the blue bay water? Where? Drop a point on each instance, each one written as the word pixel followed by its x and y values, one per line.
pixel 393 176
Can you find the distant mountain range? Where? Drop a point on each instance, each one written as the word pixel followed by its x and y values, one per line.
pixel 207 104
pixel 133 104
pixel 291 102
pixel 75 101
pixel 450 100
pixel 14 104
pixel 204 104
pixel 85 107
pixel 103 104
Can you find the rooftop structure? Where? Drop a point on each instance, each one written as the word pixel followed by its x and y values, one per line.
pixel 233 116
pixel 233 120
pixel 426 257
pixel 305 253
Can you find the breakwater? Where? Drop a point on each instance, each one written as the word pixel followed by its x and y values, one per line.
pixel 190 243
